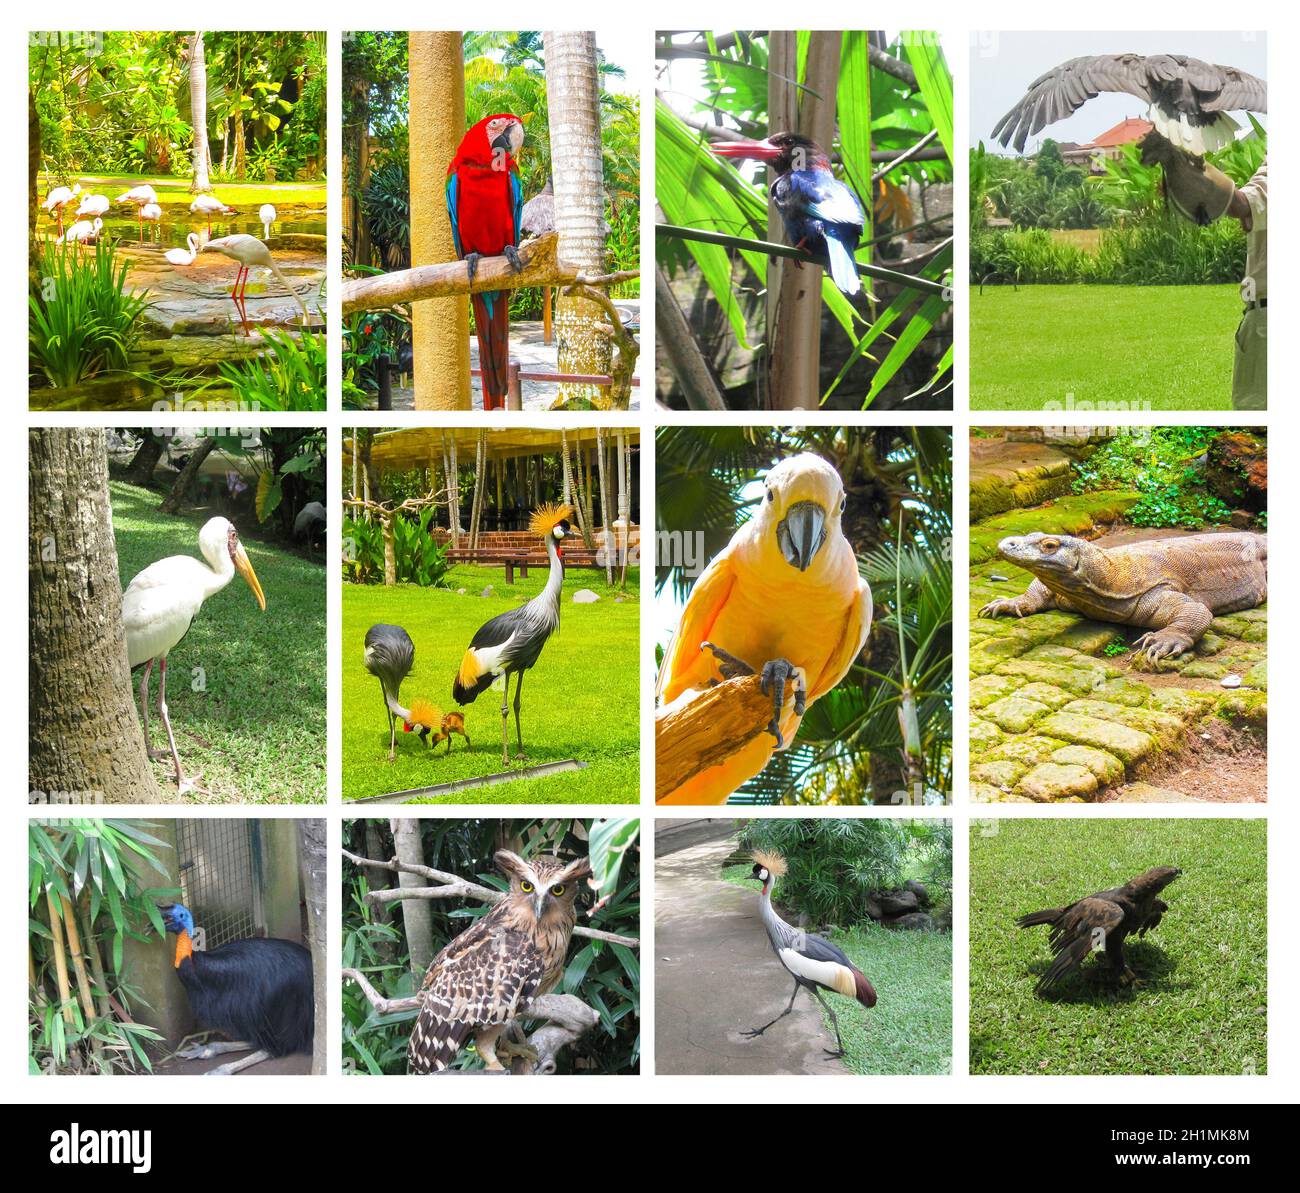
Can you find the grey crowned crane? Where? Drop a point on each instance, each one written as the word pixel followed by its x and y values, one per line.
pixel 257 992
pixel 389 656
pixel 511 642
pixel 814 963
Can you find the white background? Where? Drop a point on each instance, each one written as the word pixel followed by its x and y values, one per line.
pixel 952 20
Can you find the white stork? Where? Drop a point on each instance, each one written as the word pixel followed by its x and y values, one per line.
pixel 159 605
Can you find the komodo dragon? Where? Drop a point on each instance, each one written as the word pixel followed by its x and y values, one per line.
pixel 1174 587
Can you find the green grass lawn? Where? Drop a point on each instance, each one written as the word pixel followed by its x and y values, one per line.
pixel 579 701
pixel 1115 348
pixel 1200 1004
pixel 910 1028
pixel 255 726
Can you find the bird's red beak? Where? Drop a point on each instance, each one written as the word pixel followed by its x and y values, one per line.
pixel 759 151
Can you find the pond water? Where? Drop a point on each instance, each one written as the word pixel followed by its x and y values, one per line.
pixel 177 224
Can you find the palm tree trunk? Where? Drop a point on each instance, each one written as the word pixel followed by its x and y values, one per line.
pixel 312 860
pixel 199 114
pixel 85 740
pixel 573 100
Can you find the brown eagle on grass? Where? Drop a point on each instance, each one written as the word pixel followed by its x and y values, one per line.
pixel 1102 921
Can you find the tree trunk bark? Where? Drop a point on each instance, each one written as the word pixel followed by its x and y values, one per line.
pixel 172 503
pixel 356 158
pixel 794 327
pixel 199 115
pixel 145 460
pixel 85 741
pixel 33 188
pixel 416 913
pixel 573 100
pixel 313 865
pixel 440 330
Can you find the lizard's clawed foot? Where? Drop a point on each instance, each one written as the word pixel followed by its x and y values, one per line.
pixel 776 674
pixel 730 666
pixel 1000 607
pixel 511 254
pixel 1159 644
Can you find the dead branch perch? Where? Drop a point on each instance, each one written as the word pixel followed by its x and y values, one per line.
pixel 626 349
pixel 720 720
pixel 452 886
pixel 541 267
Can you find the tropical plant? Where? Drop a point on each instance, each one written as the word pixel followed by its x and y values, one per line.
pixel 83 319
pixel 417 557
pixel 836 864
pixel 89 891
pixel 291 375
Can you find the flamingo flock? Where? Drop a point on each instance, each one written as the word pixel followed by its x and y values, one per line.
pixel 247 251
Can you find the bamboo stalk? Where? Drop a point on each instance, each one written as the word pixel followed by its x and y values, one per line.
pixel 60 961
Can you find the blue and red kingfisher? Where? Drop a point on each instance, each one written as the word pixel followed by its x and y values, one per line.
pixel 821 215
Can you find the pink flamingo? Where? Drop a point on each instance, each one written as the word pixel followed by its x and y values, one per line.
pixel 140 196
pixel 208 206
pixel 249 251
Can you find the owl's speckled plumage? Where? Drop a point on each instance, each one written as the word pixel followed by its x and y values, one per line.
pixel 490 972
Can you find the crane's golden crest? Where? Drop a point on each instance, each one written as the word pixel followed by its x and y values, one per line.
pixel 547 517
pixel 426 713
pixel 773 863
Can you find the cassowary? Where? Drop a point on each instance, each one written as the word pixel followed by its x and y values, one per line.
pixel 1101 922
pixel 257 992
pixel 512 641
pixel 389 656
pixel 814 963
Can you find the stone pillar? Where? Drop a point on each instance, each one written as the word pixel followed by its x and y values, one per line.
pixel 440 326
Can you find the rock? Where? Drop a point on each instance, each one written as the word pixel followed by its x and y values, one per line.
pixel 872 906
pixel 919 890
pixel 998 579
pixel 1230 681
pixel 1236 469
pixel 1241 519
pixel 488 591
pixel 985 689
pixel 984 735
pixel 942 919
pixel 1257 676
pixel 1004 774
pixel 1106 767
pixel 584 596
pixel 915 921
pixel 1050 781
pixel 894 903
pixel 1014 714
pixel 1127 744
pixel 1030 750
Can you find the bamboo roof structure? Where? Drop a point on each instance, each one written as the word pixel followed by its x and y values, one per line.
pixel 416 447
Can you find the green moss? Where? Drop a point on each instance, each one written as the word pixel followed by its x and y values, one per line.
pixel 1078 514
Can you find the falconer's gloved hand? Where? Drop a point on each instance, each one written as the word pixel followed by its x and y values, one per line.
pixel 1196 189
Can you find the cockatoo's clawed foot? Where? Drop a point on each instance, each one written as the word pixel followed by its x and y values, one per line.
pixel 511 254
pixel 471 265
pixel 776 674
pixel 730 666
pixel 775 730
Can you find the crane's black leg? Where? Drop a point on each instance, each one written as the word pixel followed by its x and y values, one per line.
pixel 758 1031
pixel 505 722
pixel 519 736
pixel 835 1023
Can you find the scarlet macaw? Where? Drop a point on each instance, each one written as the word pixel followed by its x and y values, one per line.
pixel 819 212
pixel 784 600
pixel 484 203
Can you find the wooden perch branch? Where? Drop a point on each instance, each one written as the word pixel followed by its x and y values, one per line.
pixel 565 1020
pixel 707 731
pixel 541 267
pixel 452 886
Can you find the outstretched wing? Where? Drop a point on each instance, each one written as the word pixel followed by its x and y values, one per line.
pixel 1063 90
pixel 1083 927
pixel 481 978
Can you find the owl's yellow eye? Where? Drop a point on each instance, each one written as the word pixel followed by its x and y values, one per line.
pixel 526 886
pixel 557 890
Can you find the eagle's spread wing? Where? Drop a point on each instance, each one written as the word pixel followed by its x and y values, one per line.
pixel 1082 927
pixel 1188 84
pixel 481 978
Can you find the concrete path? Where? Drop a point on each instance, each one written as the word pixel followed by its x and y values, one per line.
pixel 716 975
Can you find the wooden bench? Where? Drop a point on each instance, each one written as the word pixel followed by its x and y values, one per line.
pixel 523 560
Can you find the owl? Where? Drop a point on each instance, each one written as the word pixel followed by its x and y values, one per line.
pixel 489 974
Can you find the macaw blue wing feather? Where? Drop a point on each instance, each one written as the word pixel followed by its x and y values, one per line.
pixel 517 205
pixel 453 214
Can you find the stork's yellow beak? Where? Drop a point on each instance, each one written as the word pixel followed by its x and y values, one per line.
pixel 245 569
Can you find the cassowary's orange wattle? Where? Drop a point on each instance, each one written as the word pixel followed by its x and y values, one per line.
pixel 257 992
pixel 485 201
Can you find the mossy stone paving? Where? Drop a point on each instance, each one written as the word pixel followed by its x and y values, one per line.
pixel 1059 715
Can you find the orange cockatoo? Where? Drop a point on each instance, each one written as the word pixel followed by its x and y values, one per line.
pixel 783 599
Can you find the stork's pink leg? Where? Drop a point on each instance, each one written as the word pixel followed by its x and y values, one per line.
pixel 144 711
pixel 139 226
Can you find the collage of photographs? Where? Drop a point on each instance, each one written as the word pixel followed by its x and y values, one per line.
pixel 364 410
